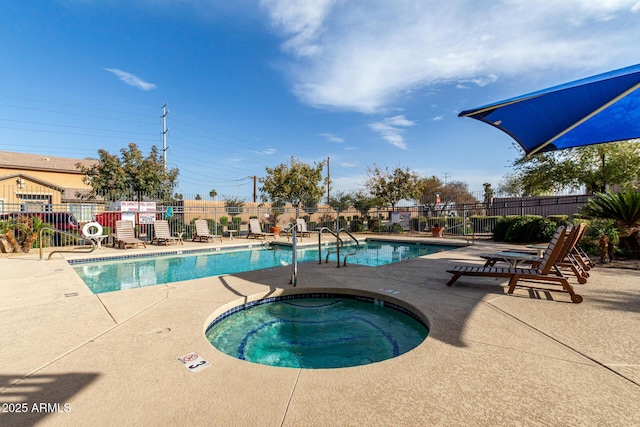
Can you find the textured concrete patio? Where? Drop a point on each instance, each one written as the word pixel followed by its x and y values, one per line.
pixel 530 359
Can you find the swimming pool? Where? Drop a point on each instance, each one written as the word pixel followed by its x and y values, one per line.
pixel 109 276
pixel 316 331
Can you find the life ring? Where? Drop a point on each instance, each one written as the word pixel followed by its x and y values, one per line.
pixel 88 226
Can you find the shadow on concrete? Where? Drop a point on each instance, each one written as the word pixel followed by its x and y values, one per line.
pixel 622 300
pixel 36 397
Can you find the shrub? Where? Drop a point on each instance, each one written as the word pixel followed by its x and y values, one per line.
pixel 524 229
pixel 236 222
pixel 357 225
pixel 501 227
pixel 396 228
pixel 381 228
pixel 559 219
pixel 530 229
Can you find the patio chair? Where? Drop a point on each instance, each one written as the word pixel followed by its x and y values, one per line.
pixel 202 232
pixel 255 230
pixel 125 235
pixel 540 273
pixel 302 227
pixel 567 258
pixel 162 234
pixel 581 256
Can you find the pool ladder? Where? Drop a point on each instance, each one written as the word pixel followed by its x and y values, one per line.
pixel 339 245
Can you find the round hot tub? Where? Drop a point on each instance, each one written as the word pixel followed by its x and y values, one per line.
pixel 317 331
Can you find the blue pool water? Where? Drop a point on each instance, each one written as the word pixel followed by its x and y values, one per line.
pixel 108 276
pixel 317 332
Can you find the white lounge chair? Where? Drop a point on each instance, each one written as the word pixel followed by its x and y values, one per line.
pixel 125 235
pixel 202 232
pixel 162 234
pixel 255 230
pixel 302 227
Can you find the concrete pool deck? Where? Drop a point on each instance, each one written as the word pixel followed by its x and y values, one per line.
pixel 490 358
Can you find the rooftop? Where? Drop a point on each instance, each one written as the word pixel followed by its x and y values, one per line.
pixel 40 162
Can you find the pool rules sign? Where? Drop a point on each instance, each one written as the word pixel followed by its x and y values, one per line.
pixel 194 362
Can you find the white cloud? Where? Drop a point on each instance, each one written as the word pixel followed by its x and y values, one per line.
pixel 332 138
pixel 391 129
pixel 437 118
pixel 131 79
pixel 349 164
pixel 300 21
pixel 364 56
pixel 267 152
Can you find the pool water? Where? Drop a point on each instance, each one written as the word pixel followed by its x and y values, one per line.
pixel 317 333
pixel 109 276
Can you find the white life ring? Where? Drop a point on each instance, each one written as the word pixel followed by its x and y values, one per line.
pixel 88 226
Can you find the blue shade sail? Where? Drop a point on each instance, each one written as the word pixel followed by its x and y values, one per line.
pixel 598 109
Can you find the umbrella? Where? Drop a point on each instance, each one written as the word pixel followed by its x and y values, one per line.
pixel 594 110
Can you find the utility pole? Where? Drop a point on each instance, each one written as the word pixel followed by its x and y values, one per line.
pixel 164 135
pixel 255 179
pixel 446 175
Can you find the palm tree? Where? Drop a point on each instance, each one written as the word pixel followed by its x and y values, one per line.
pixel 7 228
pixel 624 209
pixel 31 230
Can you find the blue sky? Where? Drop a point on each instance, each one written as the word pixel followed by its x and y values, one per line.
pixel 248 84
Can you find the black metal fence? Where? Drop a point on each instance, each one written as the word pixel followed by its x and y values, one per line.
pixel 458 218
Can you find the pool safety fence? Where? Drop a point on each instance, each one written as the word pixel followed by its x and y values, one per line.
pixel 462 216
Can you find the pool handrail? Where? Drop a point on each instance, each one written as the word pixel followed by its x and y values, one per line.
pixel 75 236
pixel 288 230
pixel 463 236
pixel 338 244
pixel 350 253
pixel 294 259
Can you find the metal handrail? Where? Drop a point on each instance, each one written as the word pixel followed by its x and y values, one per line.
pixel 350 253
pixel 294 260
pixel 464 224
pixel 338 244
pixel 75 236
pixel 288 231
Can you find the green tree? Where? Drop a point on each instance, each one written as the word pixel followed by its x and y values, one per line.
pixel 454 192
pixel 364 202
pixel 130 175
pixel 594 166
pixel 213 193
pixel 233 205
pixel 430 186
pixel 340 202
pixel 294 183
pixel 391 187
